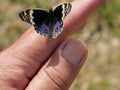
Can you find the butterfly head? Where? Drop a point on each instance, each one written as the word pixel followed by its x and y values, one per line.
pixel 50 10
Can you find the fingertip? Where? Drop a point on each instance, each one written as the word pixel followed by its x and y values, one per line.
pixel 74 51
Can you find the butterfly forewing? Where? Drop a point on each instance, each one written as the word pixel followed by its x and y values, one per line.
pixel 61 11
pixel 34 17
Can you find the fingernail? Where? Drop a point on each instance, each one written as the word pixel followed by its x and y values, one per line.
pixel 74 51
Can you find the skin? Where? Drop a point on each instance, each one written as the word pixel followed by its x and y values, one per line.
pixel 36 63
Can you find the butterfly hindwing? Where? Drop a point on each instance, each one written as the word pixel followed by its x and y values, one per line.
pixel 44 30
pixel 57 29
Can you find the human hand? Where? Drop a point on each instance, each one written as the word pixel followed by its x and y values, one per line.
pixel 36 63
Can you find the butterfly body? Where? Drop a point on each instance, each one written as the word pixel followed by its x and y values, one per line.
pixel 47 23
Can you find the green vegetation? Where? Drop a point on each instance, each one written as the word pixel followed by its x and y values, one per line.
pixel 110 14
pixel 102 86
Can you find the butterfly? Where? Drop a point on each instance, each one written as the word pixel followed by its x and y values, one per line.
pixel 47 23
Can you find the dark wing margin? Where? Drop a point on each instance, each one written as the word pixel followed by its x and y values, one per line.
pixel 34 17
pixel 61 11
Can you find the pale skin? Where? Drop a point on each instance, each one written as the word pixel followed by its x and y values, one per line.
pixel 36 63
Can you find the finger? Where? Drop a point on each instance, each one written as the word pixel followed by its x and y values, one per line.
pixel 62 68
pixel 81 10
pixel 34 50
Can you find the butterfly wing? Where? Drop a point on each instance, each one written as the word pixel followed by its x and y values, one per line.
pixel 60 13
pixel 37 18
pixel 42 21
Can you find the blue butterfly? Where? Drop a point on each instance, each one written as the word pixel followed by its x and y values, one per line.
pixel 47 23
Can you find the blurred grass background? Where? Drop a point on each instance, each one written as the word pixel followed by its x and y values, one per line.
pixel 102 35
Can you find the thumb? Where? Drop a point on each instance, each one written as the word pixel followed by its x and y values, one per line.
pixel 62 67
